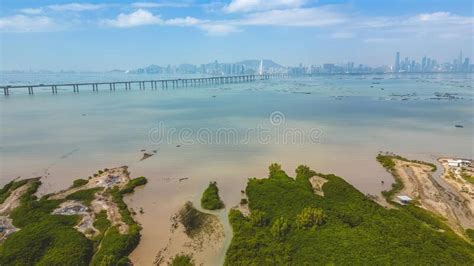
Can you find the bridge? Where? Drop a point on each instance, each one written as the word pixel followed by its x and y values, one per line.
pixel 142 84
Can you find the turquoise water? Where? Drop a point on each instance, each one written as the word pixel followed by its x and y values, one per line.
pixel 66 136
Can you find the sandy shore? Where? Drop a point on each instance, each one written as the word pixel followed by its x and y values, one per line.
pixel 107 178
pixel 433 196
pixel 465 189
pixel 205 244
pixel 10 203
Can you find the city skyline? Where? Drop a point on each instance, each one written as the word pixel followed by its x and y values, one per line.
pixel 89 35
pixel 424 64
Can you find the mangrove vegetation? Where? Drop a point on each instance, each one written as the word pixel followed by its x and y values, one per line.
pixel 291 225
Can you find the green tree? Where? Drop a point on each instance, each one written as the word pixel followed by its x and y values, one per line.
pixel 280 227
pixel 310 218
pixel 258 218
pixel 273 169
pixel 304 171
pixel 210 199
pixel 108 260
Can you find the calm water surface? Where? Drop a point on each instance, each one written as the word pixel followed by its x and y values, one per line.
pixel 67 136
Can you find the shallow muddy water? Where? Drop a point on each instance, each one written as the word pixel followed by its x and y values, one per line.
pixel 334 124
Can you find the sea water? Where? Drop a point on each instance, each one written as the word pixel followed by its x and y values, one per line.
pixel 334 124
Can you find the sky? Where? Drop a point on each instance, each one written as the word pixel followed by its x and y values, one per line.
pixel 104 35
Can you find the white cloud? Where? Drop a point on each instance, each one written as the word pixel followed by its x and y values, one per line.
pixel 138 18
pixel 440 25
pixel 339 23
pixel 342 35
pixel 380 40
pixel 143 17
pixel 315 17
pixel 434 16
pixel 219 29
pixel 443 17
pixel 31 11
pixel 22 23
pixel 259 5
pixel 76 7
pixel 187 21
pixel 157 5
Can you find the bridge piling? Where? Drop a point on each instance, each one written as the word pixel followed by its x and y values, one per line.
pixel 175 83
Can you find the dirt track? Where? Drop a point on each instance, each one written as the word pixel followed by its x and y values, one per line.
pixel 432 196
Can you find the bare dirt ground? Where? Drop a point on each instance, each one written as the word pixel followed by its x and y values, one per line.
pixel 432 196
pixel 454 177
pixel 9 204
pixel 103 202
pixel 206 243
pixel 106 178
pixel 317 183
pixel 244 209
pixel 13 200
pixel 8 228
pixel 118 176
pixel 85 226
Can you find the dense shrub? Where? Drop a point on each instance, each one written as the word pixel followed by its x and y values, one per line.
pixel 356 229
pixel 280 227
pixel 86 196
pixel 470 234
pixel 79 183
pixel 192 219
pixel 48 242
pixel 182 260
pixel 259 218
pixel 210 199
pixel 6 191
pixel 273 169
pixel 130 187
pixel 310 218
pixel 44 239
pixel 101 222
pixel 115 247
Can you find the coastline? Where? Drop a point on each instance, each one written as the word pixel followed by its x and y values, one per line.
pixel 85 224
pixel 414 180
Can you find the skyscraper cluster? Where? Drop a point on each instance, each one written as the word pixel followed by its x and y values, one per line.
pixel 428 64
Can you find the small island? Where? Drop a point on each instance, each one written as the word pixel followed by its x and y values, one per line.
pixel 86 224
pixel 210 199
pixel 195 237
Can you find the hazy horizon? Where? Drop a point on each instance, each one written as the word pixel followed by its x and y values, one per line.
pixel 89 35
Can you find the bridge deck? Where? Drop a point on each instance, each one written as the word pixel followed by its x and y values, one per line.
pixel 142 83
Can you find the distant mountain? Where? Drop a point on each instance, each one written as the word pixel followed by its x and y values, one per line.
pixel 117 71
pixel 255 64
pixel 213 68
